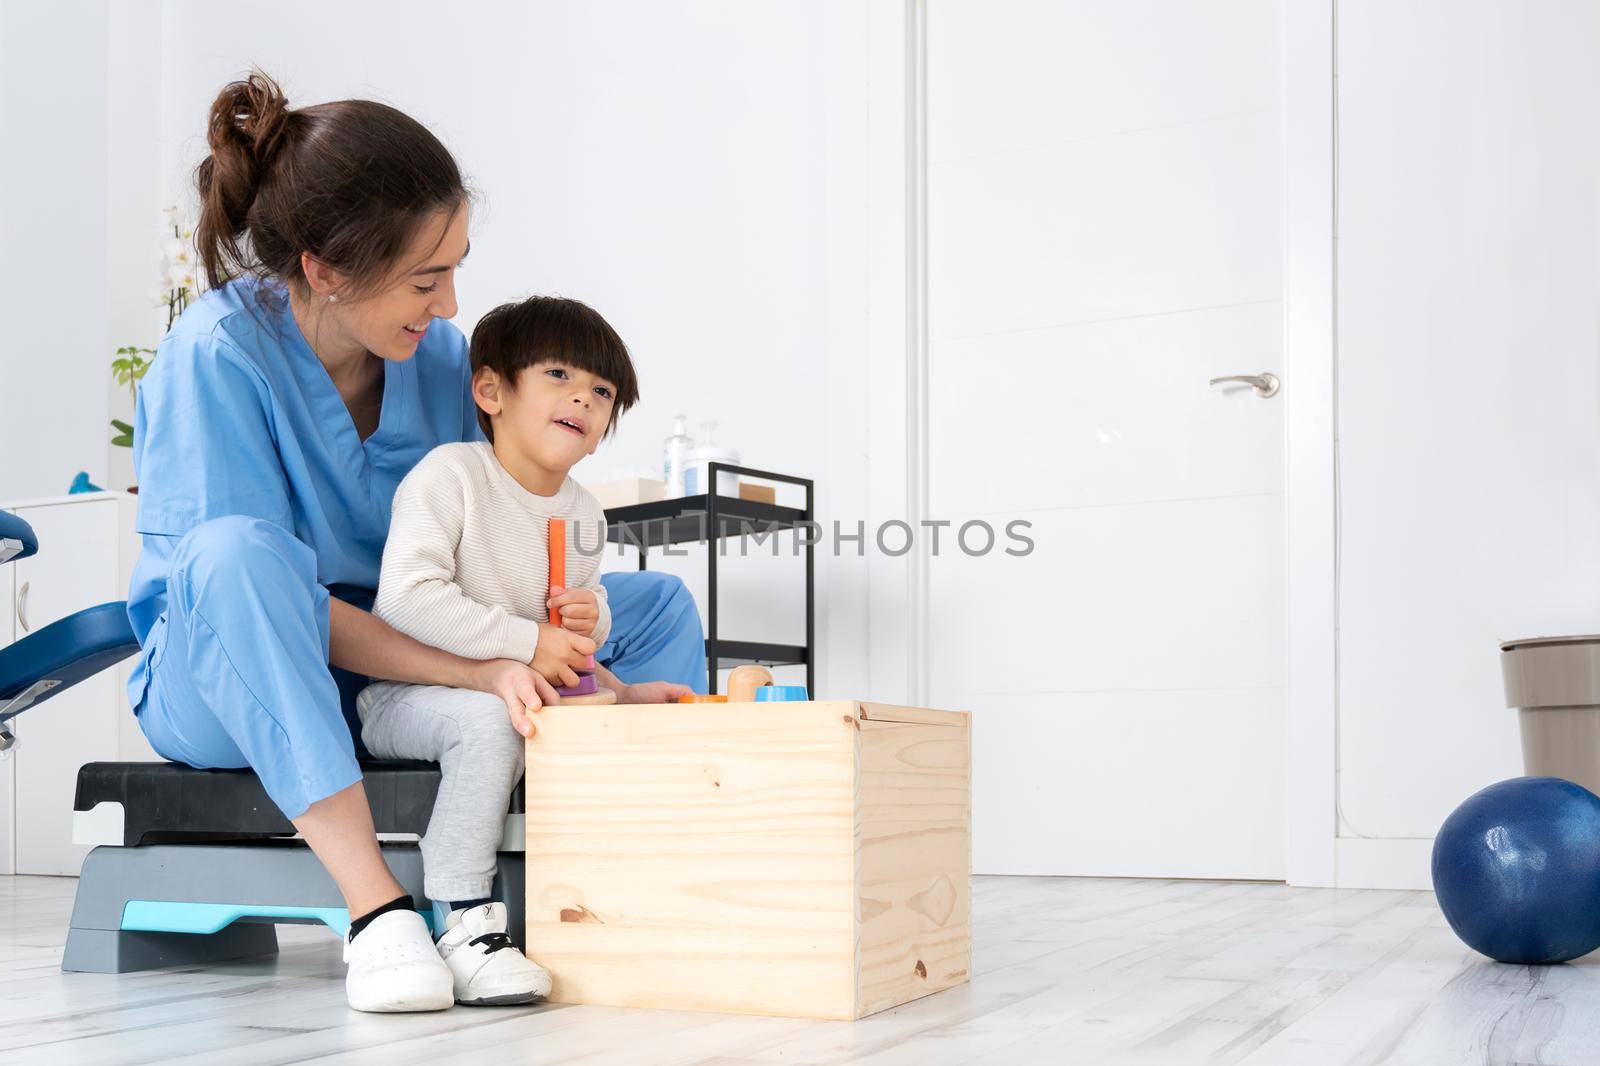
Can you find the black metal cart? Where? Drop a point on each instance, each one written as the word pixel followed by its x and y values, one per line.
pixel 708 519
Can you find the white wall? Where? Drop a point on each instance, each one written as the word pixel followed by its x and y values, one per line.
pixel 135 224
pixel 80 230
pixel 661 162
pixel 53 403
pixel 695 172
pixel 1469 371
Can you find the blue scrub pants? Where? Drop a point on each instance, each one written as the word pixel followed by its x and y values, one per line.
pixel 239 674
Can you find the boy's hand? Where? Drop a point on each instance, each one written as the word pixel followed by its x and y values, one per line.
pixel 559 654
pixel 580 609
pixel 522 689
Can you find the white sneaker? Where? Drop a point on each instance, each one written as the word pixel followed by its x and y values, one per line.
pixel 395 967
pixel 489 970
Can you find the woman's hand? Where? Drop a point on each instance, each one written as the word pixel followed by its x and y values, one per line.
pixel 644 692
pixel 579 608
pixel 560 654
pixel 520 686
pixel 653 692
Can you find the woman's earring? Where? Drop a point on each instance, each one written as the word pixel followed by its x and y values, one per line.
pixel 333 297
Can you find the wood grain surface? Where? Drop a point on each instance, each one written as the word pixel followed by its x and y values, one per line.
pixel 789 859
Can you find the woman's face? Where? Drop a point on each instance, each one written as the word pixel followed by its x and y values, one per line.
pixel 391 322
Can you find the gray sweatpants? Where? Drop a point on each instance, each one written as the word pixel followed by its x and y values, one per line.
pixel 470 736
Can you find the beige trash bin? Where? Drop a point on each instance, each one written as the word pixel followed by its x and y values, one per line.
pixel 1554 682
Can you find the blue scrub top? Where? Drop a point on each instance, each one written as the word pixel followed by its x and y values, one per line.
pixel 239 417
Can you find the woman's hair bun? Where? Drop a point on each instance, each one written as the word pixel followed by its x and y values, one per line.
pixel 252 114
pixel 248 124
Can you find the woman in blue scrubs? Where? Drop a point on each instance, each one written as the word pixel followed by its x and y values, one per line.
pixel 283 410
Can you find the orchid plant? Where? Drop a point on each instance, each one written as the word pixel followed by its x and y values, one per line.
pixel 179 287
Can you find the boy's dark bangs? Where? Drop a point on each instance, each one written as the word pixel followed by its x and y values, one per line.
pixel 546 329
pixel 586 348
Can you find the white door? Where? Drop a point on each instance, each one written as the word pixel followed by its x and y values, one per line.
pixel 1104 231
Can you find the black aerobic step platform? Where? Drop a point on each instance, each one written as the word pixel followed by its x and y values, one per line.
pixel 186 869
pixel 165 802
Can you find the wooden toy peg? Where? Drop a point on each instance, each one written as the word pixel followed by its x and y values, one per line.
pixel 744 680
pixel 586 691
pixel 558 560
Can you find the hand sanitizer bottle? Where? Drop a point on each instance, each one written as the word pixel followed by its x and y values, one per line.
pixel 699 460
pixel 673 456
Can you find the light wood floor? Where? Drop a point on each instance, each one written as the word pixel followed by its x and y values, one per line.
pixel 1065 971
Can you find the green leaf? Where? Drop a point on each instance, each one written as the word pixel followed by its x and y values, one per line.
pixel 123 426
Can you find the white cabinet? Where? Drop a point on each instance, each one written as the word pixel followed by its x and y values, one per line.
pixel 87 547
pixel 8 764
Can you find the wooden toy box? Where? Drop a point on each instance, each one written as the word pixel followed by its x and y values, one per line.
pixel 806 859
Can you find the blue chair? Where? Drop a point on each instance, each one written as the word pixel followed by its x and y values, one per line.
pixel 192 866
pixel 16 538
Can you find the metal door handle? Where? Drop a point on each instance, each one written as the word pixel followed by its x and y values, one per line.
pixel 1264 384
pixel 22 606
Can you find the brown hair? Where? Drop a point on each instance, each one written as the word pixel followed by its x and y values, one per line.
pixel 550 329
pixel 349 182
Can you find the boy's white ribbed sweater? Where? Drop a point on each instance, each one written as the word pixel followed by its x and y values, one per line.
pixel 467 564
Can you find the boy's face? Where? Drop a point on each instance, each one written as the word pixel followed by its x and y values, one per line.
pixel 552 416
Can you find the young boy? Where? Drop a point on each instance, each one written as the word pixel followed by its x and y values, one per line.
pixel 466 568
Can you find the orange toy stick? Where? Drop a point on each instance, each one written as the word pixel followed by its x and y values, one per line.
pixel 558 561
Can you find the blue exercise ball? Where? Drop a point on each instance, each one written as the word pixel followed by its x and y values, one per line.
pixel 1516 869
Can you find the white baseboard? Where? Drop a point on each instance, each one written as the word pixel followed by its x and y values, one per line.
pixel 1362 862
